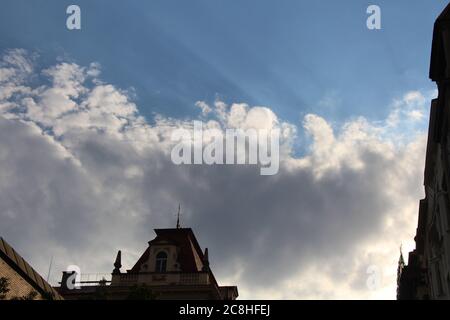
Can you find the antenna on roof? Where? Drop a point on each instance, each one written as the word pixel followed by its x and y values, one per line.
pixel 178 216
pixel 49 268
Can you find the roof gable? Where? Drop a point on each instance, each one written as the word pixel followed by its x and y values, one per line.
pixel 190 255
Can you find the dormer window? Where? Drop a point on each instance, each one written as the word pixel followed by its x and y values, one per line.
pixel 161 262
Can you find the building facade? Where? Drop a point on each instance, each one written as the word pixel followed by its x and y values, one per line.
pixel 19 280
pixel 172 267
pixel 427 275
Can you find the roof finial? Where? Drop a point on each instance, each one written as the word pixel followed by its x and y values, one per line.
pixel 118 263
pixel 178 216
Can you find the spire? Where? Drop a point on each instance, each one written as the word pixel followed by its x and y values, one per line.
pixel 401 266
pixel 178 216
pixel 118 263
pixel 401 261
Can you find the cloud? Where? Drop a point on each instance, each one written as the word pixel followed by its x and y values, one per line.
pixel 83 174
pixel 204 107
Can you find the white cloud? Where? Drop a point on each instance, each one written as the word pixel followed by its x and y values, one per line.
pixel 82 174
pixel 204 107
pixel 409 109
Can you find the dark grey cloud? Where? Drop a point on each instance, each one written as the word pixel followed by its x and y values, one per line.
pixel 81 183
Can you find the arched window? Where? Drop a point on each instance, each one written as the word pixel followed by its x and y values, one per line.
pixel 161 262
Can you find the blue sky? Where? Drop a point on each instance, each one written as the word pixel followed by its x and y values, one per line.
pixel 295 56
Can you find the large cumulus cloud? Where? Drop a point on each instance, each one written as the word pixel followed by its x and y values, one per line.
pixel 83 174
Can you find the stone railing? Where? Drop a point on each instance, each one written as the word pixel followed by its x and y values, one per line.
pixel 166 278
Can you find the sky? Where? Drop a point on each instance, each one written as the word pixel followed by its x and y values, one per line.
pixel 86 118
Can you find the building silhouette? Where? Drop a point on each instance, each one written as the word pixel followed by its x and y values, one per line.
pixel 427 275
pixel 172 267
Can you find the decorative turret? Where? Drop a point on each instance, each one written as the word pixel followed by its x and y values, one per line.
pixel 118 263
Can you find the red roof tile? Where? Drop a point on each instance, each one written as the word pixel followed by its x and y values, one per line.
pixel 185 240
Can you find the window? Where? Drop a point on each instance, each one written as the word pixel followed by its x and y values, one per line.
pixel 161 262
